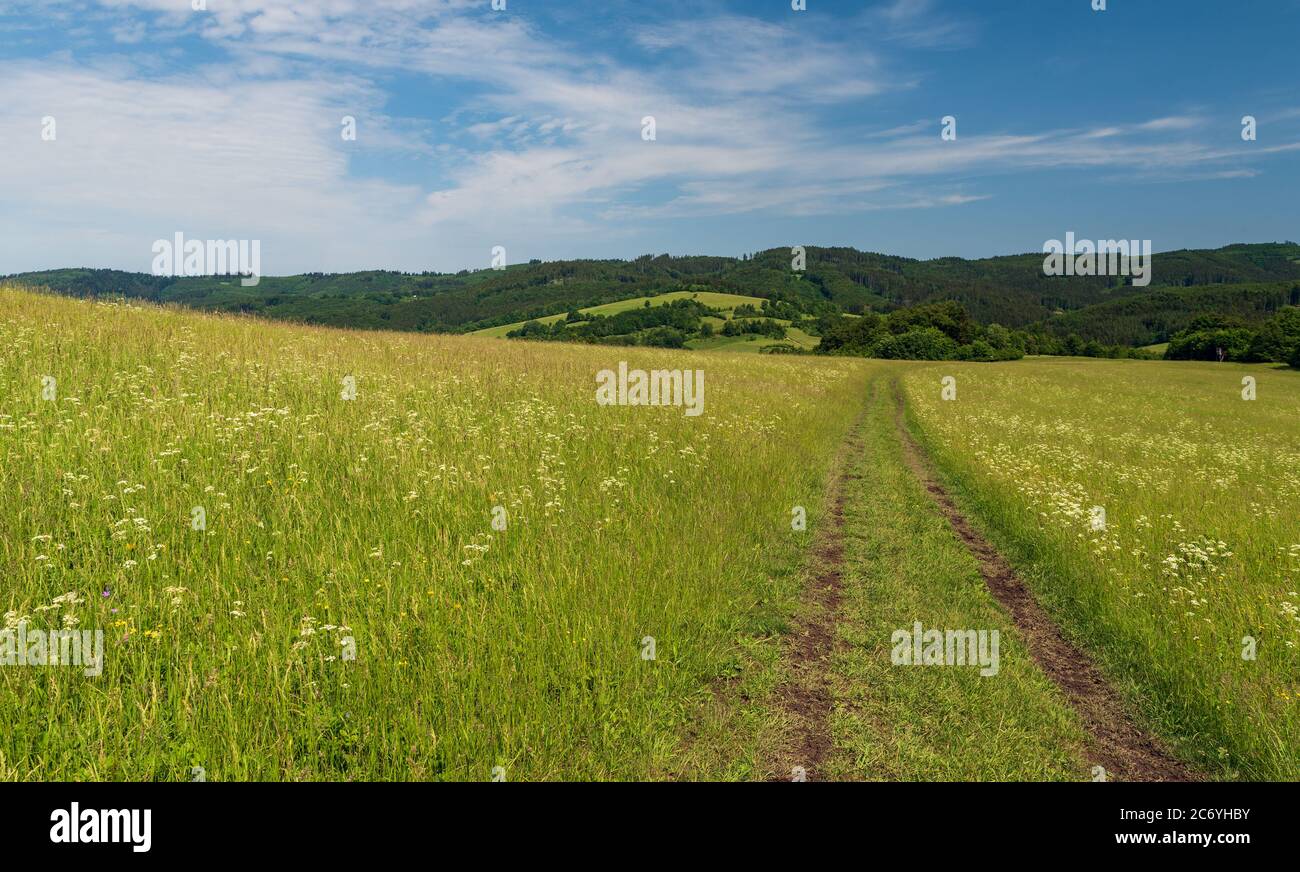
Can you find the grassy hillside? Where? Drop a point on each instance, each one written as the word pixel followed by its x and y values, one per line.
pixel 751 344
pixel 707 298
pixel 332 523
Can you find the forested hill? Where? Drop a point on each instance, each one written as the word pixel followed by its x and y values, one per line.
pixel 1008 290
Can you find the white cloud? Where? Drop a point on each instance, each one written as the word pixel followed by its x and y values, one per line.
pixel 1172 122
pixel 547 151
pixel 919 24
pixel 136 160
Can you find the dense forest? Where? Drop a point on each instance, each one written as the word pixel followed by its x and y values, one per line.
pixel 1159 313
pixel 946 331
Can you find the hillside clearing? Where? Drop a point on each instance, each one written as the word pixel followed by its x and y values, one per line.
pixel 711 299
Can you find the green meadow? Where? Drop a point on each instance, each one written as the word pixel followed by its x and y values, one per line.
pixel 321 554
pixel 711 299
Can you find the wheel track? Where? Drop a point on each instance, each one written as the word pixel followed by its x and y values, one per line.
pixel 1116 743
pixel 805 698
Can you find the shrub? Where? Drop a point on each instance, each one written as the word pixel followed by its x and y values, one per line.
pixel 1232 342
pixel 1278 339
pixel 926 343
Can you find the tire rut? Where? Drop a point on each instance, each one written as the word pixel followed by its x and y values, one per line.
pixel 1123 750
pixel 806 696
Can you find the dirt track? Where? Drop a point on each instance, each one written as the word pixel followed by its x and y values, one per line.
pixel 1117 744
pixel 805 699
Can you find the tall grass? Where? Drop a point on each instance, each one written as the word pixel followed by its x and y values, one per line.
pixel 1197 566
pixel 370 520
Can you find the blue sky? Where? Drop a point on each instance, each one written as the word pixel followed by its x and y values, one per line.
pixel 522 128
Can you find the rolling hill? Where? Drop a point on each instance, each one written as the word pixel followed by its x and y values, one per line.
pixel 1010 290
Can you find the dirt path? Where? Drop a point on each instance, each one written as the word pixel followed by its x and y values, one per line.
pixel 805 698
pixel 1124 751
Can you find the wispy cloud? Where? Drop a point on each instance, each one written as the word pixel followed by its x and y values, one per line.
pixel 753 117
pixel 1172 122
pixel 923 24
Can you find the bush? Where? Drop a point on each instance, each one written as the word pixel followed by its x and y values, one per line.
pixel 1278 339
pixel 849 335
pixel 530 330
pixel 948 317
pixel 1232 342
pixel 664 337
pixel 977 350
pixel 926 343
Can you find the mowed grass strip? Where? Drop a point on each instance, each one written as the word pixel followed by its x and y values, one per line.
pixel 370 520
pixel 1185 591
pixel 904 564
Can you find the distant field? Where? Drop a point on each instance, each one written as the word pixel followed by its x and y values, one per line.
pixel 751 343
pixel 1158 348
pixel 708 298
